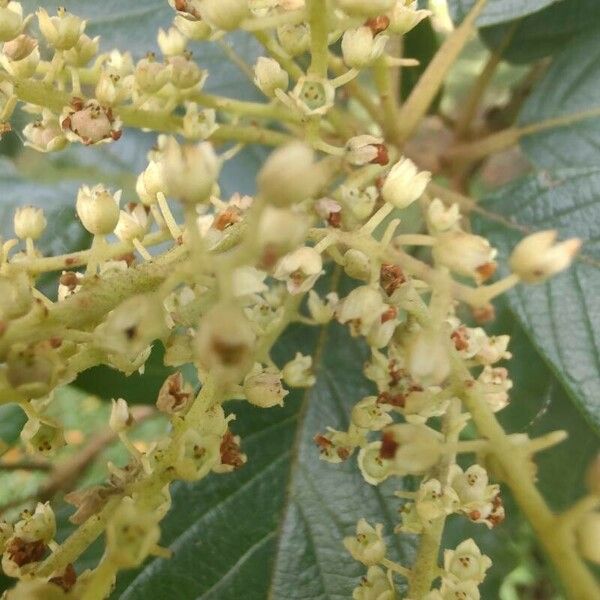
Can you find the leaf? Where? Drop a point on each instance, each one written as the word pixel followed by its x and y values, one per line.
pixel 275 528
pixel 560 316
pixel 496 11
pixel 545 32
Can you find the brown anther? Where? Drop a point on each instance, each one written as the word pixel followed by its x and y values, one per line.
pixel 116 134
pixel 24 553
pixel 70 260
pixel 389 314
pixel 383 157
pixel 388 445
pixel 335 219
pixel 69 279
pixel 130 332
pixel 269 257
pixel 322 442
pixel 230 451
pixel 172 395
pixel 128 258
pixel 391 277
pixel 4 128
pixel 343 453
pixel 378 24
pixel 484 314
pixel 460 338
pixel 230 354
pixel 398 400
pixel 226 218
pixel 55 342
pixel 486 270
pixel 3 326
pixel 67 580
pixel 474 515
pixel 66 123
pixel 77 103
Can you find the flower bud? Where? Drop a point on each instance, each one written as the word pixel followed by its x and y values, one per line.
pixel 466 563
pixel 150 183
pixel 199 454
pixel 298 372
pixel 588 534
pixel 224 342
pixel 198 124
pixel 151 76
pixel 29 222
pixel 537 257
pixel 98 209
pixel 357 265
pixel 133 223
pixel 413 448
pixel 224 14
pixel 41 525
pixel 45 135
pixel 120 416
pixel 440 218
pixel 32 370
pixel 269 76
pixel 295 39
pixel 365 8
pixel 11 21
pixel 404 184
pixel 263 388
pixel 112 89
pixel 404 16
pixel 364 149
pixel 185 74
pixel 171 42
pixel 189 171
pixel 375 586
pixel 428 360
pixel 368 546
pixel 495 385
pixel 322 311
pixel 299 269
pixel 362 308
pixel 197 30
pixel 62 31
pixel 373 467
pixel 15 295
pixel 360 47
pixel 434 501
pixel 465 254
pixel 290 175
pixel 360 202
pixel 131 534
pixel 175 396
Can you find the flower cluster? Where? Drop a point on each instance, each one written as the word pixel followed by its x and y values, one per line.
pixel 216 280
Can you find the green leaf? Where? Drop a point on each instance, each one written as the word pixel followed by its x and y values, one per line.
pixel 570 87
pixel 545 32
pixel 560 316
pixel 496 11
pixel 275 528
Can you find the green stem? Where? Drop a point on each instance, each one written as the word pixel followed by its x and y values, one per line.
pixel 388 97
pixel 319 31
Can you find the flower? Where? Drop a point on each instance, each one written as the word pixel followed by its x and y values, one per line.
pixel 375 586
pixel 413 448
pixel 362 308
pixel 295 39
pixel 404 184
pixel 150 183
pixel 495 385
pixel 224 14
pixel 360 47
pixel 269 76
pixel 537 257
pixel 171 42
pixel 11 21
pixel 369 414
pixel 373 467
pixel 151 76
pixel 466 563
pixel 298 371
pixel 300 269
pixel 367 546
pixel 120 416
pixel 320 310
pixel 263 388
pixel 427 356
pixel 441 218
pixel 90 123
pixel 312 95
pixel 41 525
pixel 98 209
pixel 434 501
pixel 46 134
pixel 404 16
pixel 133 223
pixel 365 149
pixel 21 56
pixel 465 254
pixel 63 31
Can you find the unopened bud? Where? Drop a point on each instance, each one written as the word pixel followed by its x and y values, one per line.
pixel 98 209
pixel 29 222
pixel 120 417
pixel 404 16
pixel 295 39
pixel 11 21
pixel 269 76
pixel 298 372
pixel 368 546
pixel 404 184
pixel 171 42
pixel 360 47
pixel 224 14
pixel 357 265
pixel 61 31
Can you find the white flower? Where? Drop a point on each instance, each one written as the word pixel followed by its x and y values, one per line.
pixel 434 501
pixel 269 76
pixel 84 50
pixel 113 89
pixel 466 563
pixel 465 254
pixel 413 448
pixel 404 184
pixel 441 218
pixel 357 265
pixel 89 123
pixel 263 388
pixel 29 222
pixel 298 371
pixel 495 385
pixel 537 257
pixel 360 47
pixel 151 76
pixel 295 39
pixel 11 21
pixel 150 183
pixel 367 546
pixel 21 56
pixel 360 202
pixel 375 586
pixel 45 135
pixel 427 356
pixel 371 415
pixel 98 209
pixel 404 16
pixel 373 467
pixel 365 149
pixel 63 31
pixel 312 95
pixel 362 308
pixel 194 30
pixel 41 525
pixel 248 280
pixel 320 310
pixel 224 14
pixel 133 223
pixel 300 269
